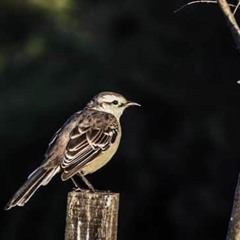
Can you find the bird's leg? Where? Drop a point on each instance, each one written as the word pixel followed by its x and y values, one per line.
pixel 77 188
pixel 90 186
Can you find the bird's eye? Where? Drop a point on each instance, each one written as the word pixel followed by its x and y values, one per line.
pixel 115 102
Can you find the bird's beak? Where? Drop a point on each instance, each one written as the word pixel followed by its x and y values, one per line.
pixel 129 104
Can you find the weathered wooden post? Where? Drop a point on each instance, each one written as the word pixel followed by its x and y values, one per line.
pixel 92 216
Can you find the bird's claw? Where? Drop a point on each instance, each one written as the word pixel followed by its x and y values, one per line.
pixel 77 189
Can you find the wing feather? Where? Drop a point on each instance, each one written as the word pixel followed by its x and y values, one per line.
pixel 94 134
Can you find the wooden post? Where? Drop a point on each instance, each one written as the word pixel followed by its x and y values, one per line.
pixel 92 216
pixel 234 224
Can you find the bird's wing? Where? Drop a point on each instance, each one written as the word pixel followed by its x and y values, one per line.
pixel 95 133
pixel 70 123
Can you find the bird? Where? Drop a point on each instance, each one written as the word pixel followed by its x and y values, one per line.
pixel 84 144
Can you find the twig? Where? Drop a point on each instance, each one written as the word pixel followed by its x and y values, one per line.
pixel 231 21
pixel 236 8
pixel 203 1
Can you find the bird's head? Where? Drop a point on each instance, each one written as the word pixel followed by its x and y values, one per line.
pixel 110 102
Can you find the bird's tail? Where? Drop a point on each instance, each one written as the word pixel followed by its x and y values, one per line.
pixel 38 178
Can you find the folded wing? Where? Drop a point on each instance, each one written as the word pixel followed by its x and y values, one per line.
pixel 93 136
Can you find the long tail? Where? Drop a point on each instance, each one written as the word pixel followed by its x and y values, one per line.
pixel 38 178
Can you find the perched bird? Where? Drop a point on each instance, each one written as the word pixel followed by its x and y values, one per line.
pixel 85 143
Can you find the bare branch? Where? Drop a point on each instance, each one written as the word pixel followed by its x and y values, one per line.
pixel 225 6
pixel 231 21
pixel 234 224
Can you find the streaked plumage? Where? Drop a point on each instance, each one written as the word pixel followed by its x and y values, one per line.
pixel 85 143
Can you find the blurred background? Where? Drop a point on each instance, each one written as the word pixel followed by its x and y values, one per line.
pixel 178 162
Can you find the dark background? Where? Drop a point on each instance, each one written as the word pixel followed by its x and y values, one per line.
pixel 178 162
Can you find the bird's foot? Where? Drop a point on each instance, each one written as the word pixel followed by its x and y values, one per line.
pixel 77 189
